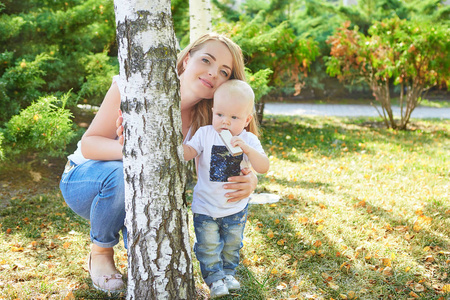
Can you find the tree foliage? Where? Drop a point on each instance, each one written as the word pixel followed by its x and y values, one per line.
pixel 52 47
pixel 269 41
pixel 44 127
pixel 412 54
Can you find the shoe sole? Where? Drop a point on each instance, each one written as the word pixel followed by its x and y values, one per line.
pixel 108 291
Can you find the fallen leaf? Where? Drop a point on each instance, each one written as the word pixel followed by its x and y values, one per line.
pixel 429 258
pixel 69 296
pixel 446 289
pixel 421 220
pixel 282 286
pixel 326 277
pixel 333 286
pixel 36 176
pixel 303 220
pixel 386 262
pixel 417 287
pixel 388 272
pixel 281 242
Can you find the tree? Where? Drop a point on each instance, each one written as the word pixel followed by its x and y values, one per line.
pixel 411 54
pixel 200 18
pixel 159 254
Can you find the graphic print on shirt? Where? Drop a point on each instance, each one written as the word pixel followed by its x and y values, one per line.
pixel 223 164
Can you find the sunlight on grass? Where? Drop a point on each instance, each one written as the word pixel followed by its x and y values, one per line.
pixel 364 214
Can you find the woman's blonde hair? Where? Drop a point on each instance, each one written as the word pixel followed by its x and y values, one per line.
pixel 202 113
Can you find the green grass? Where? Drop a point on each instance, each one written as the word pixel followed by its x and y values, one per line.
pixel 364 214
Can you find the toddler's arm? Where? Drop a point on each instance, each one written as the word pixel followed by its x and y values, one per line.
pixel 260 162
pixel 189 152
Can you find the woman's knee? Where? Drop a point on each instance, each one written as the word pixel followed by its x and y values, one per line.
pixel 115 179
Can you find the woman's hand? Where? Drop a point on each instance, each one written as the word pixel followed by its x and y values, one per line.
pixel 243 185
pixel 119 129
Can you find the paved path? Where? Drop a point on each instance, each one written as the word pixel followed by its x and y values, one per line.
pixel 348 110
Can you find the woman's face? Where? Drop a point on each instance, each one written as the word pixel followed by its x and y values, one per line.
pixel 206 69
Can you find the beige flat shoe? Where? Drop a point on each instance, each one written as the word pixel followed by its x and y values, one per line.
pixel 106 283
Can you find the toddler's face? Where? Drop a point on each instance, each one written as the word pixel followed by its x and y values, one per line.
pixel 230 113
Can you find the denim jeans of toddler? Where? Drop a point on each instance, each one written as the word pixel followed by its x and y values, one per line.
pixel 217 245
pixel 95 191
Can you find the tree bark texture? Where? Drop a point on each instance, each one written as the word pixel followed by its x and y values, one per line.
pixel 200 18
pixel 159 251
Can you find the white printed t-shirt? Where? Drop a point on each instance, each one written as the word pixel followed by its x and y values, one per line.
pixel 215 164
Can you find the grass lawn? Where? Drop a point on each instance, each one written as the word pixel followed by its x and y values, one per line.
pixel 364 214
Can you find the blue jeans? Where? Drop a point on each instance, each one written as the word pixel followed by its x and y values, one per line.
pixel 217 245
pixel 95 191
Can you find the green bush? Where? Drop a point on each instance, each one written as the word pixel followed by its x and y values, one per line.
pixel 259 82
pixel 47 47
pixel 100 69
pixel 43 127
pixel 273 46
pixel 21 83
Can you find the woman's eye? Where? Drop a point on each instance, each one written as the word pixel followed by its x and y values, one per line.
pixel 224 73
pixel 234 117
pixel 219 115
pixel 205 60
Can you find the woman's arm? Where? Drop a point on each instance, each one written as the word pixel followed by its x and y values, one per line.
pixel 99 141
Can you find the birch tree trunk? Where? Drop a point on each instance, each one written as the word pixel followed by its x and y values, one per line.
pixel 200 18
pixel 159 252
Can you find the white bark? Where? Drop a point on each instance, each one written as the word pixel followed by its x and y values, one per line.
pixel 159 255
pixel 200 18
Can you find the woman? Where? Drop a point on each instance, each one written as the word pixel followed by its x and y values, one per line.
pixel 93 184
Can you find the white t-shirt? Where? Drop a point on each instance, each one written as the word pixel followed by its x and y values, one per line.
pixel 215 164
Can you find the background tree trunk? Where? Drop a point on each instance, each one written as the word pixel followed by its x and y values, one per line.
pixel 159 252
pixel 200 18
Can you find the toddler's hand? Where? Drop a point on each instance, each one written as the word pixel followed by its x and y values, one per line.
pixel 238 142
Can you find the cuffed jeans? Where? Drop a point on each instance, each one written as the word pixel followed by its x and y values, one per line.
pixel 95 191
pixel 217 245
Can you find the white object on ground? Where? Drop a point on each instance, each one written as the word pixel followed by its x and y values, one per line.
pixel 263 198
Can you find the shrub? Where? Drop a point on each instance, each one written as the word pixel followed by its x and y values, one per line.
pixel 411 54
pixel 43 127
pixel 259 82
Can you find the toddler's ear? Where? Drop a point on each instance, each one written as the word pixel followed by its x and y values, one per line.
pixel 249 118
